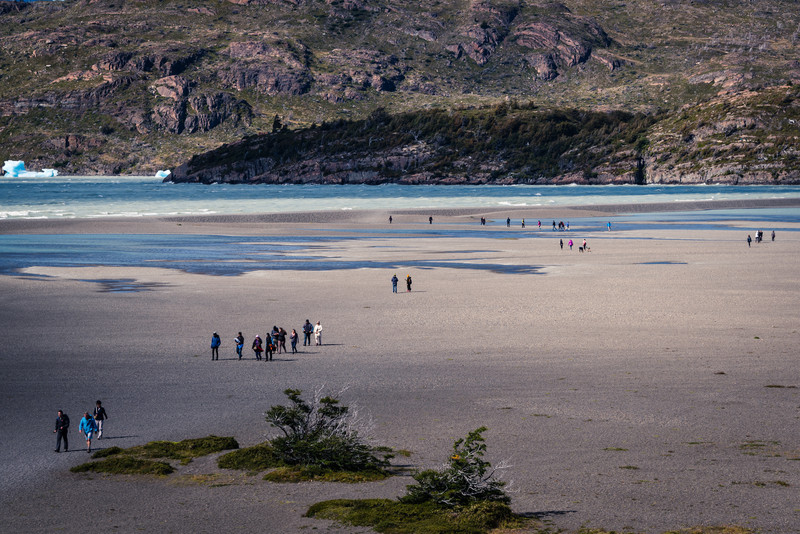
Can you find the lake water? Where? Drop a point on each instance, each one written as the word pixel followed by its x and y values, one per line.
pixel 86 197
pixel 62 197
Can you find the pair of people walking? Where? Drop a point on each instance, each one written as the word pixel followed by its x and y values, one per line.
pixel 90 425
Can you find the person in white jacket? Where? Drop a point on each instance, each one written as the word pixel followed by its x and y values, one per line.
pixel 318 333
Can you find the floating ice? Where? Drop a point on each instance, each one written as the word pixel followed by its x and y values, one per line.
pixel 163 174
pixel 16 169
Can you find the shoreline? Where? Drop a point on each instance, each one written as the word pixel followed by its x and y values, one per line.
pixel 379 216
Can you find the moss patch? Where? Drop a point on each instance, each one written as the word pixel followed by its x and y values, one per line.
pixel 384 515
pixel 125 465
pixel 184 450
pixel 140 459
pixel 257 458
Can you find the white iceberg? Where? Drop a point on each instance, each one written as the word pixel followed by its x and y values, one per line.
pixel 16 169
pixel 163 174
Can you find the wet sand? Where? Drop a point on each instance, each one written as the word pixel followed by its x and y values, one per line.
pixel 647 385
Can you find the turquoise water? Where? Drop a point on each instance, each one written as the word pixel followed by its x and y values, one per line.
pixel 89 197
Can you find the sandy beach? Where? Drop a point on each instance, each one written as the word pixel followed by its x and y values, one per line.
pixel 647 385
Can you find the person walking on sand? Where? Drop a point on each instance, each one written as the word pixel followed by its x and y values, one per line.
pixel 282 340
pixel 508 222
pixel 239 345
pixel 269 347
pixel 408 283
pixel 257 347
pixel 570 244
pixel 608 224
pixel 293 339
pixel 307 329
pixel 430 220
pixel 523 223
pixel 561 243
pixel 390 219
pixel 88 428
pixel 540 224
pixel 318 333
pixel 749 240
pixel 100 415
pixel 215 343
pixel 394 283
pixel 584 246
pixel 773 235
pixel 61 431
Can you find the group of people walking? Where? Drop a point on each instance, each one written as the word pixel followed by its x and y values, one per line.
pixel 273 341
pixel 90 425
pixel 395 280
pixel 759 237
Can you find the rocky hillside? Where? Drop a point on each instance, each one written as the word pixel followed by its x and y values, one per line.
pixel 132 86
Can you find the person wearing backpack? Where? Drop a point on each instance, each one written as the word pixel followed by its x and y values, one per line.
pixel 257 348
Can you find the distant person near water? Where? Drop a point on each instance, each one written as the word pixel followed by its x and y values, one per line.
pixel 100 415
pixel 773 235
pixel 394 283
pixel 561 243
pixel 609 225
pixel 749 240
pixel 318 333
pixel 430 220
pixel 408 283
pixel 293 339
pixel 215 343
pixel 523 223
pixel 307 329
pixel 508 222
pixel 258 347
pixel 390 219
pixel 88 428
pixel 62 431
pixel 570 244
pixel 239 345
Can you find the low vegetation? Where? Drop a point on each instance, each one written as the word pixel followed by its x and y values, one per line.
pixel 125 465
pixel 464 496
pixel 141 458
pixel 320 441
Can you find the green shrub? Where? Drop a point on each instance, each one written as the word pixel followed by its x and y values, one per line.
pixel 320 434
pixel 463 481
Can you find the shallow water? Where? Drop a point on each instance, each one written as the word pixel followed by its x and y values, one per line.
pixel 92 196
pixel 234 255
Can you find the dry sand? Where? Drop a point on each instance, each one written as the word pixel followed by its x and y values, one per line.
pixel 647 385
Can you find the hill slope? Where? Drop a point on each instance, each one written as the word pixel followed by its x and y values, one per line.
pixel 126 86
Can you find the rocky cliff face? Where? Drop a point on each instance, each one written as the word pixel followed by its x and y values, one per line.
pixel 151 84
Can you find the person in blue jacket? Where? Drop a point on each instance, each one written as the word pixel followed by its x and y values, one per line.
pixel 394 283
pixel 88 427
pixel 239 344
pixel 215 343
